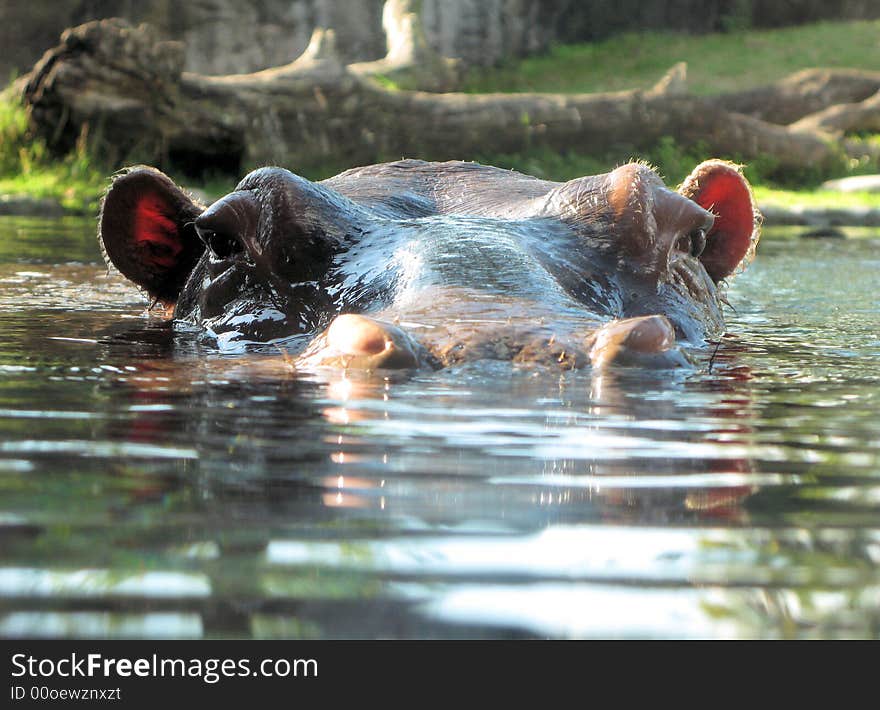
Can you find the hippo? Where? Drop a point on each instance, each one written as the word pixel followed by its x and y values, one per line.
pixel 413 264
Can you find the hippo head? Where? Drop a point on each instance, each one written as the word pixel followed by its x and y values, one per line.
pixel 281 256
pixel 250 261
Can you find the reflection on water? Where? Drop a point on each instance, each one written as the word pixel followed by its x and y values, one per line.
pixel 152 487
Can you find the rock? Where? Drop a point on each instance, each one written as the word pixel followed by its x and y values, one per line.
pixel 232 37
pixel 410 61
pixel 857 183
pixel 820 218
pixel 486 32
pixel 27 206
pixel 824 233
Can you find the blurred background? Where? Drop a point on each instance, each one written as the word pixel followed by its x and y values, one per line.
pixel 112 94
pixel 226 37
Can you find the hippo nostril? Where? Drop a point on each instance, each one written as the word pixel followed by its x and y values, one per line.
pixel 220 245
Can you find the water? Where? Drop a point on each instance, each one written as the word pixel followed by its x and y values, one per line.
pixel 150 487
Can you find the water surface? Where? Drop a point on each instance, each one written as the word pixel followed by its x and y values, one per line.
pixel 151 486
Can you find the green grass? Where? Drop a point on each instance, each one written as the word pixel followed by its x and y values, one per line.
pixel 77 180
pixel 26 168
pixel 77 194
pixel 716 62
pixel 777 197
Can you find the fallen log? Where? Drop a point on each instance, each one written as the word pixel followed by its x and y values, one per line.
pixel 844 118
pixel 802 93
pixel 125 87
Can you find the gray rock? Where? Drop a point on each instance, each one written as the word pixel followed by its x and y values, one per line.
pixel 27 206
pixel 820 217
pixel 856 183
pixel 824 233
pixel 484 32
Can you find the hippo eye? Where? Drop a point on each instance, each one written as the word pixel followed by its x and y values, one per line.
pixel 683 244
pixel 221 245
pixel 692 243
pixel 698 242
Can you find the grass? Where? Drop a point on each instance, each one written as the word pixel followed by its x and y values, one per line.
pixel 815 198
pixel 26 168
pixel 717 63
pixel 77 180
pixel 76 195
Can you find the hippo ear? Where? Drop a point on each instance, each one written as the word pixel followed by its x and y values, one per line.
pixel 720 187
pixel 147 232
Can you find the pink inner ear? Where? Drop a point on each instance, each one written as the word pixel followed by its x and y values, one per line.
pixel 155 232
pixel 726 194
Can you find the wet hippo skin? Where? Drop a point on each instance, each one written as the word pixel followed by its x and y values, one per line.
pixel 412 263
